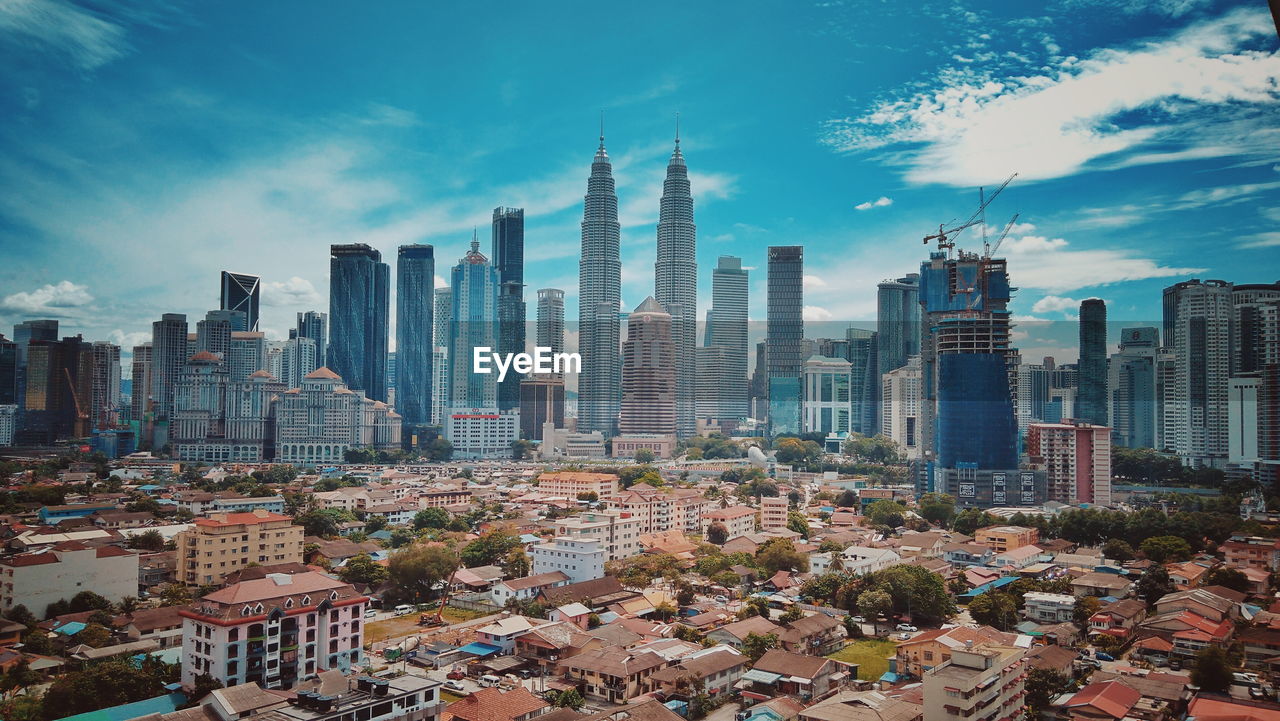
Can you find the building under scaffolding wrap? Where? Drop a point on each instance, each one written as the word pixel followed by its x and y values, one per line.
pixel 968 365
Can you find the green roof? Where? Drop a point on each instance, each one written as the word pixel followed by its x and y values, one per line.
pixel 160 704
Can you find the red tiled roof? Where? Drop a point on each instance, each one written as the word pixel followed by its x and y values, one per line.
pixel 1110 697
pixel 493 704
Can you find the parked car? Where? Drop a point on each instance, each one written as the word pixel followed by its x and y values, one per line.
pixel 1175 664
pixel 907 627
pixel 454 685
pixel 1257 692
pixel 1104 656
pixel 721 599
pixel 456 674
pixel 857 619
pixel 904 637
pixel 403 609
pixel 370 613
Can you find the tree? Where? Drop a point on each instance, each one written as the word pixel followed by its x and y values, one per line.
pixel 1043 685
pixel 489 548
pixel 914 590
pixel 796 521
pixel 1154 585
pixel 17 678
pixel 21 614
pixel 1228 577
pixel 516 564
pixel 89 601
pixel 128 604
pixel 150 540
pixel 995 609
pixel 1166 548
pixel 717 533
pixel 417 569
pixel 102 685
pixel 373 524
pixel 323 522
pixel 201 687
pixel 755 645
pixel 521 449
pixel 971 519
pixel 1084 610
pixel 874 604
pixel 780 554
pixel 797 452
pixel 570 698
pixel 847 499
pixel 1213 669
pixel 175 594
pixel 364 570
pixel 791 614
pixel 1117 549
pixel 430 518
pixel 885 513
pixel 644 455
pixel 938 508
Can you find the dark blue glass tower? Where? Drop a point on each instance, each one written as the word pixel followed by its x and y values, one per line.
pixel 785 337
pixel 415 300
pixel 508 258
pixel 359 300
pixel 1091 394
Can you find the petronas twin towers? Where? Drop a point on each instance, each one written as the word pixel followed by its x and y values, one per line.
pixel 600 293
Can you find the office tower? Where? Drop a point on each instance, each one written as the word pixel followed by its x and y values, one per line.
pixel 1166 377
pixel 351 420
pixel 8 423
pixel 1202 357
pixel 105 391
pixel 759 386
pixel 8 372
pixel 676 283
pixel 784 335
pixel 900 407
pixel 314 325
pixel 1034 384
pixel 1242 420
pixel 968 367
pixel 551 319
pixel 473 324
pixel 240 292
pixel 359 299
pixel 415 299
pixel 508 258
pixel 1131 385
pixel 1091 396
pixel 1251 307
pixel 541 401
pixel 140 377
pixel 897 326
pixel 442 339
pixel 23 334
pixel 59 390
pixel 1076 458
pixel 713 361
pixel 169 353
pixel 648 373
pixel 248 353
pixel 727 329
pixel 828 403
pixel 213 334
pixel 391 375
pixel 298 357
pixel 861 348
pixel 599 301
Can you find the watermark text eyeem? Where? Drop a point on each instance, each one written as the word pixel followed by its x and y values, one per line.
pixel 542 360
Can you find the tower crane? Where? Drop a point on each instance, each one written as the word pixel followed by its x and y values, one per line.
pixel 946 237
pixel 987 249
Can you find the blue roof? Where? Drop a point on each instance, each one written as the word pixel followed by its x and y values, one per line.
pixel 890 677
pixel 70 629
pixel 998 583
pixel 167 655
pixel 529 538
pixel 160 704
pixel 480 649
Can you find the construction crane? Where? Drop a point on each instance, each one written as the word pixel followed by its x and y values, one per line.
pixel 81 416
pixel 946 237
pixel 431 621
pixel 987 249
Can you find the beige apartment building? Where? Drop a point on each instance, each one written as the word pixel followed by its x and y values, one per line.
pixel 226 542
pixel 1006 538
pixel 773 513
pixel 982 682
pixel 618 532
pixel 572 483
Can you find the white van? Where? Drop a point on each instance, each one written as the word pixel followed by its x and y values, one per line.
pixel 488 680
pixel 403 609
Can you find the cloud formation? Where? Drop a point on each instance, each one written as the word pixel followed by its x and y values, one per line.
pixel 59 300
pixel 1152 103
pixel 880 202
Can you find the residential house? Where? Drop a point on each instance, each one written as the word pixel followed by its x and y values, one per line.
pixel 1201 601
pixel 1017 558
pixel 861 560
pixel 503 632
pixel 1118 618
pixel 737 520
pixel 1100 583
pixel 1048 607
pixel 1006 538
pixel 967 554
pixel 596 594
pixel 862 706
pixel 1252 552
pixel 927 545
pixel 815 635
pixel 495 704
pixel 781 672
pixel 1188 575
pixel 714 671
pixel 612 675
pixel 526 588
pixel 733 634
pixel 935 646
pixel 1105 701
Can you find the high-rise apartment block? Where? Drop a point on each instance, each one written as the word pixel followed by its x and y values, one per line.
pixel 415 306
pixel 900 407
pixel 784 337
pixel 1076 458
pixel 225 542
pixel 1196 411
pixel 359 296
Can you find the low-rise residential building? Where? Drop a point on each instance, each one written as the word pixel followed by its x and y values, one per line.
pixel 862 706
pixel 226 542
pixel 1118 618
pixel 1101 583
pixel 1048 607
pixel 1252 552
pixel 982 682
pixel 815 635
pixel 737 520
pixel 1017 558
pixel 403 698
pixel 773 513
pixel 495 704
pixel 734 634
pixel 933 647
pixel 1201 601
pixel 504 631
pixel 1006 538
pixel 572 484
pixel 581 559
pixel 781 672
pixel 967 554
pixel 37 579
pixel 612 674
pixel 528 587
pixel 273 631
pixel 861 560
pixel 718 668
pixel 921 545
pixel 618 531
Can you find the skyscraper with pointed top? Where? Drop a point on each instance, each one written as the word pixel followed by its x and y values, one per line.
pixel 676 282
pixel 473 323
pixel 599 301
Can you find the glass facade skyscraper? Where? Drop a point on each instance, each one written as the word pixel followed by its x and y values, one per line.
pixel 508 258
pixel 676 283
pixel 785 337
pixel 551 319
pixel 1132 388
pixel 359 300
pixel 600 302
pixel 314 325
pixel 240 291
pixel 897 325
pixel 727 329
pixel 1091 393
pixel 473 323
pixel 864 397
pixel 415 300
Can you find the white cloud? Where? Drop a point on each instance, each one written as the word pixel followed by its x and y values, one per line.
pixel 59 300
pixel 976 127
pixel 296 293
pixel 880 202
pixel 1054 304
pixel 812 281
pixel 1261 240
pixel 815 313
pixel 127 341
pixel 1043 263
pixel 83 37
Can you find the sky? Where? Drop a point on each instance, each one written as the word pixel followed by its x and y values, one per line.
pixel 148 145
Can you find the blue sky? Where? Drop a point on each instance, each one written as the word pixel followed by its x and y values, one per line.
pixel 148 145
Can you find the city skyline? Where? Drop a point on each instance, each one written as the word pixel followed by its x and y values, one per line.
pixel 856 173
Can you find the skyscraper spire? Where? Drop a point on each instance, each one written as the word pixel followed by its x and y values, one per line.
pixel 475 239
pixel 676 282
pixel 602 130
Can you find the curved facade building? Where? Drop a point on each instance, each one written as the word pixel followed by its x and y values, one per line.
pixel 648 373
